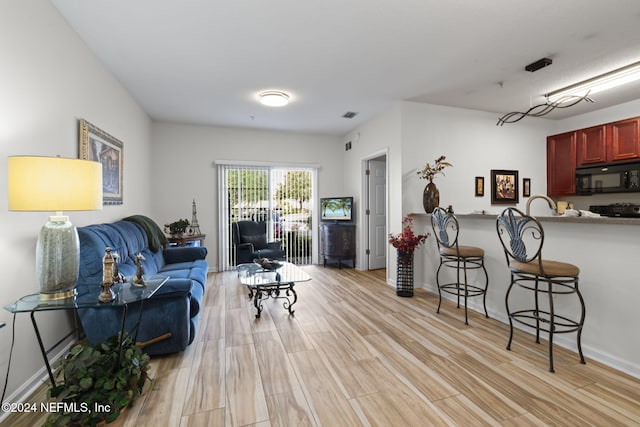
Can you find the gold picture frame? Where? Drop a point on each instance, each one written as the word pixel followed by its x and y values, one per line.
pixel 479 186
pixel 97 145
pixel 526 187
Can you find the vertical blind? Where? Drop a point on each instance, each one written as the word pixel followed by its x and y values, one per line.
pixel 283 197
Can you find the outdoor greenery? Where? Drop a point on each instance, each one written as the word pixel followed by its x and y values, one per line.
pixel 98 382
pixel 296 186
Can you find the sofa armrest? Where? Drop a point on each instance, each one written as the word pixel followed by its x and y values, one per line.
pixel 186 254
pixel 246 247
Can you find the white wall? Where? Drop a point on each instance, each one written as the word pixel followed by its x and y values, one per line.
pixel 49 80
pixel 380 135
pixel 473 143
pixel 182 167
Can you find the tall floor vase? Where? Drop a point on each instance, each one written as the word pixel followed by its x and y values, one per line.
pixel 404 279
pixel 430 197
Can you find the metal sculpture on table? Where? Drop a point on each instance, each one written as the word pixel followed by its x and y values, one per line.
pixel 137 279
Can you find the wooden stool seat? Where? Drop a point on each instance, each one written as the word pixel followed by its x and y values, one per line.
pixel 463 251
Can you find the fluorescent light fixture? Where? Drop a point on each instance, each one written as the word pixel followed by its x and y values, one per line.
pixel 599 83
pixel 273 98
pixel 55 184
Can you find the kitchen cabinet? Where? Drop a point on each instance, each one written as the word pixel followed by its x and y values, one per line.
pixel 624 140
pixel 561 164
pixel 591 145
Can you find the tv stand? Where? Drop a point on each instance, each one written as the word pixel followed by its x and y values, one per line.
pixel 337 243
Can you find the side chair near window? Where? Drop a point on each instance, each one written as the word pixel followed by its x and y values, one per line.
pixel 462 258
pixel 250 242
pixel 522 238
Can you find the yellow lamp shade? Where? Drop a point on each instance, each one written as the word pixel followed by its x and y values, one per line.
pixel 54 184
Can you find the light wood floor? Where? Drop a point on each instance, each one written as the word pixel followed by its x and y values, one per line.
pixel 356 354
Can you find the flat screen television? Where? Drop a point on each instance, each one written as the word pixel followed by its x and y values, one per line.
pixel 336 209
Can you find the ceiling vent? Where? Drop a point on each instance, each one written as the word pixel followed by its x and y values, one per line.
pixel 540 63
pixel 349 115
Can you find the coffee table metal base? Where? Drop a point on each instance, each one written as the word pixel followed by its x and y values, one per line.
pixel 284 291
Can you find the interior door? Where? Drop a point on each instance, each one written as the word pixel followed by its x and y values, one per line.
pixel 377 218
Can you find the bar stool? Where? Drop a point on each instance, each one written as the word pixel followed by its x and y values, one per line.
pixel 462 258
pixel 522 238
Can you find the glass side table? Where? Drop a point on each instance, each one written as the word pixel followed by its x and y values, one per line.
pixel 125 294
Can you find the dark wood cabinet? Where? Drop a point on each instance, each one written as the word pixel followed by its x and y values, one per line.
pixel 338 243
pixel 624 140
pixel 591 145
pixel 608 143
pixel 561 164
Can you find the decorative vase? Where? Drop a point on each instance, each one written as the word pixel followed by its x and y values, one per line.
pixel 430 197
pixel 404 280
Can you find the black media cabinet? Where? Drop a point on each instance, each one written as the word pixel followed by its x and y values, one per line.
pixel 338 243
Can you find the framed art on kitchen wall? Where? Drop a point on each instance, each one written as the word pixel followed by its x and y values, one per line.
pixel 504 186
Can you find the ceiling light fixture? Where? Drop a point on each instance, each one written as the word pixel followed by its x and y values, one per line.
pixel 621 76
pixel 273 98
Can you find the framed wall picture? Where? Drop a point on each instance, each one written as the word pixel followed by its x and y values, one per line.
pixel 526 187
pixel 504 186
pixel 479 186
pixel 97 145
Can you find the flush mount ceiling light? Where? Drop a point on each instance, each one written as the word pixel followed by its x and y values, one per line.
pixel 621 76
pixel 273 98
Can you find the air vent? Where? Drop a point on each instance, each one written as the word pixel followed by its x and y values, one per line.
pixel 349 115
pixel 540 63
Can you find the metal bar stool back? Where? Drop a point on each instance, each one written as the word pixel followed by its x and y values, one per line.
pixel 522 237
pixel 461 258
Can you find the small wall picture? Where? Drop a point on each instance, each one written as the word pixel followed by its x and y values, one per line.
pixel 504 186
pixel 479 186
pixel 526 187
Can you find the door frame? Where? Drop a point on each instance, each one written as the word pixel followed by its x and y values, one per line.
pixel 364 225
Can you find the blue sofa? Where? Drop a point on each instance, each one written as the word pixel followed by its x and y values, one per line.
pixel 174 309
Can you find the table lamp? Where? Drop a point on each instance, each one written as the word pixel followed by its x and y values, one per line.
pixel 55 184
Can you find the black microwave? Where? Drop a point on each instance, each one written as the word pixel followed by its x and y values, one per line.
pixel 623 178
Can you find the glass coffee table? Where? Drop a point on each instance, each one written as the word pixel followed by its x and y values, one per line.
pixel 279 283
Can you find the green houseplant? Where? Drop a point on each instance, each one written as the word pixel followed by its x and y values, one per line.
pixel 177 227
pixel 98 382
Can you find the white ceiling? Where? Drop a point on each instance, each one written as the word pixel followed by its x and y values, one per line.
pixel 205 61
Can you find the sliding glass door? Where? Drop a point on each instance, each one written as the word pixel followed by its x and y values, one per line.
pixel 282 197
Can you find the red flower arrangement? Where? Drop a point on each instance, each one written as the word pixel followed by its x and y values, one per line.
pixel 407 241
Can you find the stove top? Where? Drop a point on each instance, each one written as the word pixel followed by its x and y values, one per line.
pixel 617 209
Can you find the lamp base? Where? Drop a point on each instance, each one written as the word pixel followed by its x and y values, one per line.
pixel 57 295
pixel 57 258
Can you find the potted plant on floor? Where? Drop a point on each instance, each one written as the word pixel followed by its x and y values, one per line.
pixel 406 243
pixel 98 382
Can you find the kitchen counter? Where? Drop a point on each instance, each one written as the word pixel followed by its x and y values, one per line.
pixel 557 218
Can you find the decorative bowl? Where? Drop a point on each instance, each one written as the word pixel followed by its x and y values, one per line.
pixel 268 264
